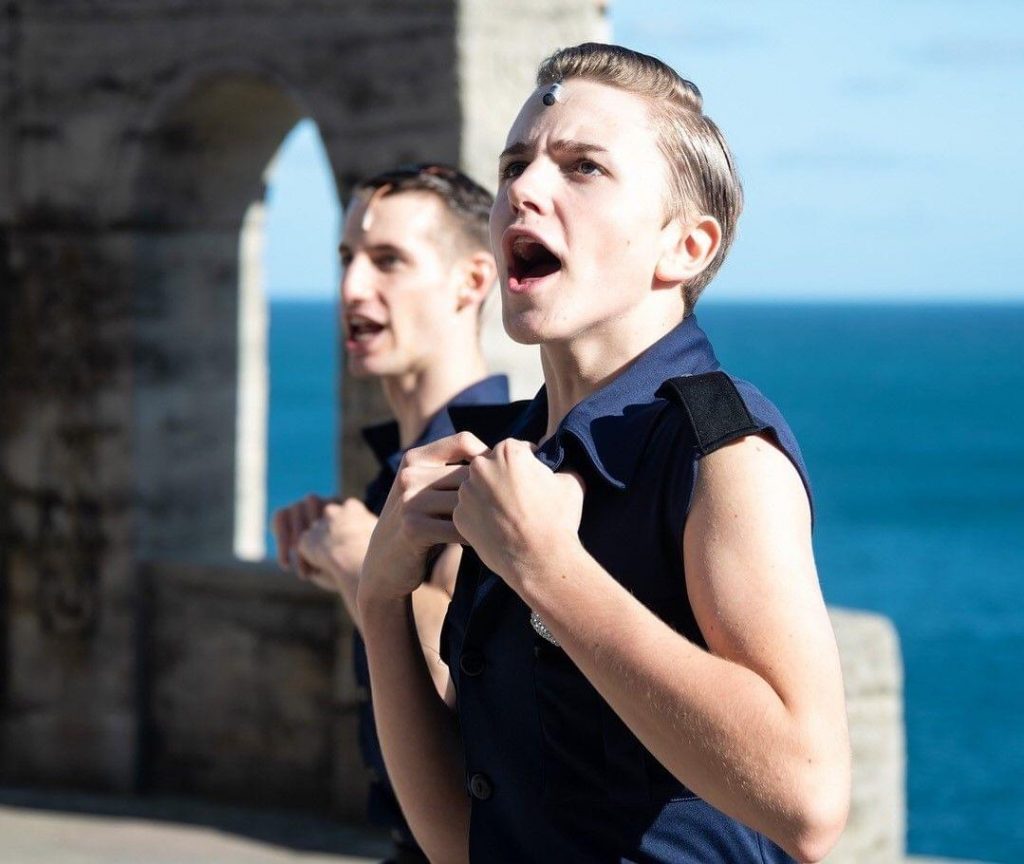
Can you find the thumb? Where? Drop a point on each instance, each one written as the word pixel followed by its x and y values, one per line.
pixel 460 447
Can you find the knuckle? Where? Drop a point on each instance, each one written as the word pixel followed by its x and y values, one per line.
pixel 403 480
pixel 467 441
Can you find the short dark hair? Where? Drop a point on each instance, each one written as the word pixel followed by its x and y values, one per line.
pixel 467 202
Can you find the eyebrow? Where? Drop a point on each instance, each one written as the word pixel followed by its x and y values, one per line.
pixel 374 248
pixel 562 145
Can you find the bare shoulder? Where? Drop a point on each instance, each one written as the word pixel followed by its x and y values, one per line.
pixel 749 564
pixel 750 520
pixel 752 472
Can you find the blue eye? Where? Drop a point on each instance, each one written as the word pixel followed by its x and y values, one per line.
pixel 585 166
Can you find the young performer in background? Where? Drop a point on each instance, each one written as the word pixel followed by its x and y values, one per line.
pixel 417 267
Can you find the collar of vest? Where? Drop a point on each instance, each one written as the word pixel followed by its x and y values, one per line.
pixel 383 438
pixel 609 427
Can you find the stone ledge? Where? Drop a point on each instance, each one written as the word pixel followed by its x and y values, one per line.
pixel 914 859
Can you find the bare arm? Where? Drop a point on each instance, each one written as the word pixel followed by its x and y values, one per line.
pixel 418 732
pixel 756 724
pixel 333 550
pixel 430 605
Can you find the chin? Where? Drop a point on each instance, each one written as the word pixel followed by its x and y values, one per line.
pixel 360 367
pixel 523 328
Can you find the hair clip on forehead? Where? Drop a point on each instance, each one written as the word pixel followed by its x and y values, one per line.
pixel 553 94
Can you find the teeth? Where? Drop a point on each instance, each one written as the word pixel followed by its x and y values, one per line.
pixel 525 248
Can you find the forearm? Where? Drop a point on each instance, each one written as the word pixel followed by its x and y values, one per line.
pixel 347 588
pixel 418 733
pixel 718 726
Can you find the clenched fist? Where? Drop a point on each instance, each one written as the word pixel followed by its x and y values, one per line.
pixel 288 524
pixel 335 544
pixel 515 512
pixel 417 516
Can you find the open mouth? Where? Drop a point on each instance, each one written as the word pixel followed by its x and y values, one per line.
pixel 530 259
pixel 362 329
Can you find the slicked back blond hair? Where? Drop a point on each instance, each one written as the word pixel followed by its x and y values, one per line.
pixel 703 176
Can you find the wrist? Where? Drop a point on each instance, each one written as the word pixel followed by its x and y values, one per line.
pixel 553 564
pixel 385 578
pixel 378 610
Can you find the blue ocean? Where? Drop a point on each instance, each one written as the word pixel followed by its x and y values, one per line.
pixel 911 419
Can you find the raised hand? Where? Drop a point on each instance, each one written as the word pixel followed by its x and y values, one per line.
pixel 515 512
pixel 334 546
pixel 417 516
pixel 288 524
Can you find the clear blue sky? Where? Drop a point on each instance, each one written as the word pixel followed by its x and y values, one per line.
pixel 880 145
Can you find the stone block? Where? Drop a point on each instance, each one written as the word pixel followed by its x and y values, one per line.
pixel 240 683
pixel 873 677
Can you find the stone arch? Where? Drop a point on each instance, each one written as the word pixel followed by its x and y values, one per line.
pixel 198 187
pixel 110 124
pixel 200 182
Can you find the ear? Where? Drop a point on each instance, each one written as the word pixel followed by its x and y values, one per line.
pixel 476 277
pixel 687 248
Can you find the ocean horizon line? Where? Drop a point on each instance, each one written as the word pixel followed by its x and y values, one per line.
pixel 936 302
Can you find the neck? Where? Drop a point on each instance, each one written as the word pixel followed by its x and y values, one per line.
pixel 578 367
pixel 418 395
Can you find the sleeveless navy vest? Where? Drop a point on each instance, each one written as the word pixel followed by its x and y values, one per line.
pixel 553 774
pixel 383 439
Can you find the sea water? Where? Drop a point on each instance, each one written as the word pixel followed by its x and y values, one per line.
pixel 911 419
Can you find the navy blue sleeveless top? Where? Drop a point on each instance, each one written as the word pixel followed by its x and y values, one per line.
pixel 383 438
pixel 553 774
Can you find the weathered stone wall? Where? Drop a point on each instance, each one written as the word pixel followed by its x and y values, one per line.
pixel 873 676
pixel 133 140
pixel 8 61
pixel 138 138
pixel 69 708
pixel 239 685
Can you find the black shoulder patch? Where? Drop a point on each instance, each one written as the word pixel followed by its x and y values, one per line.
pixel 713 408
pixel 490 423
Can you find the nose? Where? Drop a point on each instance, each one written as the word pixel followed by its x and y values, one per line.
pixel 355 282
pixel 529 190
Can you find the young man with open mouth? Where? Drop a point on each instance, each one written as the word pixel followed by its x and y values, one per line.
pixel 416 269
pixel 642 663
